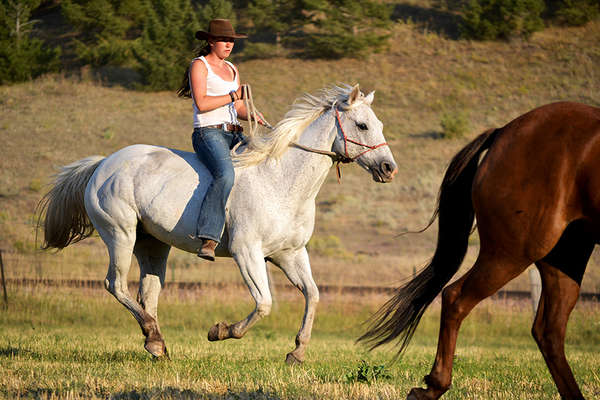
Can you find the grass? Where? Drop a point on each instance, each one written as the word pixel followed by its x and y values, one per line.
pixel 63 343
pixel 58 119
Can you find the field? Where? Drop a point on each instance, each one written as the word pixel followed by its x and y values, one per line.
pixel 80 343
pixel 72 344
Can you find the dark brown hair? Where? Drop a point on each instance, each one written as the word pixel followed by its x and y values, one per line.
pixel 185 90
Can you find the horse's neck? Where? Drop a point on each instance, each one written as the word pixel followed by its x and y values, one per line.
pixel 301 172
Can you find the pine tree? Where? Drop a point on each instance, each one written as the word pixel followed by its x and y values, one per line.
pixel 164 47
pixel 347 28
pixel 21 56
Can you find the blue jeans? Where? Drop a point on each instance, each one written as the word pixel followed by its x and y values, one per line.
pixel 212 147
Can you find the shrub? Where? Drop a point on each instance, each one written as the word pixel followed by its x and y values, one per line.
pixel 21 56
pixel 573 12
pixel 495 19
pixel 454 124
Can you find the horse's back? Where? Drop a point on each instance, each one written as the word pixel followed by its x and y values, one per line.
pixel 541 173
pixel 154 185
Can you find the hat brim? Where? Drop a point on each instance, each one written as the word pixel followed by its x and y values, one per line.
pixel 202 35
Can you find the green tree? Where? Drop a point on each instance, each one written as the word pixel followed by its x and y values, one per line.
pixel 276 18
pixel 21 56
pixel 346 28
pixel 573 12
pixel 496 19
pixel 216 9
pixel 166 42
pixel 107 29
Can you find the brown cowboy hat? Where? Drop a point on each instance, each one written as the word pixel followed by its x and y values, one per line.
pixel 219 28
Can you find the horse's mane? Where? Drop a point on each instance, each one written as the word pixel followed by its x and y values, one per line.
pixel 304 111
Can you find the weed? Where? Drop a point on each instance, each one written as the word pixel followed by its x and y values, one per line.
pixel 455 124
pixel 368 374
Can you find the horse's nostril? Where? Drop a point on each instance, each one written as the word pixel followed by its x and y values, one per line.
pixel 388 169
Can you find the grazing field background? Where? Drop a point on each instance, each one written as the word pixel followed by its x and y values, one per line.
pixel 82 343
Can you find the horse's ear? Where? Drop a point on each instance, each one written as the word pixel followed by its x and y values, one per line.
pixel 354 95
pixel 369 98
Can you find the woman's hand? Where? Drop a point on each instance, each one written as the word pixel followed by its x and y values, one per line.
pixel 260 119
pixel 242 92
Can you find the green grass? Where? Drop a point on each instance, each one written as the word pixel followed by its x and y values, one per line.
pixel 64 343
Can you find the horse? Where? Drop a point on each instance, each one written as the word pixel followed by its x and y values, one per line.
pixel 535 197
pixel 145 199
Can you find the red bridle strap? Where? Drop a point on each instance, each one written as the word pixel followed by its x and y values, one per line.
pixel 346 140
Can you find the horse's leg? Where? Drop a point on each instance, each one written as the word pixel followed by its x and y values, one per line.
pixel 152 257
pixel 254 271
pixel 297 268
pixel 488 275
pixel 120 245
pixel 559 295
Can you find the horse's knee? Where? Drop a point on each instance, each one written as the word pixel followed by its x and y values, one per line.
pixel 264 308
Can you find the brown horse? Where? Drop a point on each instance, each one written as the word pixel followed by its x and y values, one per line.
pixel 536 198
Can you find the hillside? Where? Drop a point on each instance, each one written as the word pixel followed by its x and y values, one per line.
pixel 58 119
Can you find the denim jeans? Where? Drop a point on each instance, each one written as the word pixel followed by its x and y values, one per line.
pixel 212 147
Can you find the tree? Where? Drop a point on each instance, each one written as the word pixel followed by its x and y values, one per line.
pixel 573 12
pixel 495 19
pixel 346 28
pixel 21 56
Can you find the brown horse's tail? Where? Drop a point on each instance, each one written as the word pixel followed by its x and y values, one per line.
pixel 61 212
pixel 402 313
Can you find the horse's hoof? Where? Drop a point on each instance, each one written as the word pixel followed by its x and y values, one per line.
pixel 291 359
pixel 416 394
pixel 157 349
pixel 218 331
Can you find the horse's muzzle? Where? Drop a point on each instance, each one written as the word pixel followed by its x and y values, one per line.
pixel 384 172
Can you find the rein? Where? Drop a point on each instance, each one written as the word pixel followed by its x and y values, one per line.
pixel 337 158
pixel 340 158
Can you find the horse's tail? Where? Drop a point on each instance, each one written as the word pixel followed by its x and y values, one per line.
pixel 402 313
pixel 62 209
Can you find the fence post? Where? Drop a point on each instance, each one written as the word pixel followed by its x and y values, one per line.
pixel 535 282
pixel 3 281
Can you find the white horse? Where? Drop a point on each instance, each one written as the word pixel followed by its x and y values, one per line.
pixel 144 199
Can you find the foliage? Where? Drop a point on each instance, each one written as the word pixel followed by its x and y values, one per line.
pixel 152 36
pixel 167 35
pixel 346 28
pixel 275 19
pixel 573 12
pixel 455 124
pixel 107 29
pixel 495 19
pixel 21 56
pixel 368 374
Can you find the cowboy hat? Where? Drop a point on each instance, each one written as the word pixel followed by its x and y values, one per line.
pixel 219 28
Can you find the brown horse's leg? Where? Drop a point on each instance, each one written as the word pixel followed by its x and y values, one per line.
pixel 559 295
pixel 485 278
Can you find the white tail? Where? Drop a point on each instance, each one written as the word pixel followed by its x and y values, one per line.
pixel 62 208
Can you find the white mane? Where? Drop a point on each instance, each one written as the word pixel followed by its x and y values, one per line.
pixel 304 111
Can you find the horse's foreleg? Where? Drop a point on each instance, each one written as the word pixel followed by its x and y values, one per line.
pixel 297 268
pixel 120 248
pixel 484 279
pixel 152 258
pixel 254 271
pixel 559 295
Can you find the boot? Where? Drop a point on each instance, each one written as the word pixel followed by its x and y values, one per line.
pixel 207 251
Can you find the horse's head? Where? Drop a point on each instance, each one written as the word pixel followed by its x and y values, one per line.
pixel 360 136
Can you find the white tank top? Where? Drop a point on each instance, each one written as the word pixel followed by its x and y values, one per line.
pixel 216 86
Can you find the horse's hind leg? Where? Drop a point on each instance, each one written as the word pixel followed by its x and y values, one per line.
pixel 559 295
pixel 152 257
pixel 296 266
pixel 120 245
pixel 485 278
pixel 254 271
pixel 561 272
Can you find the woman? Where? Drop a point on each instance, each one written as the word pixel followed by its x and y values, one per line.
pixel 214 86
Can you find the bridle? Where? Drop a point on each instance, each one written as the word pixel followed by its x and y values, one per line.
pixel 336 157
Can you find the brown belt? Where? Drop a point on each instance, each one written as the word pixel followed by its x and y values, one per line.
pixel 226 127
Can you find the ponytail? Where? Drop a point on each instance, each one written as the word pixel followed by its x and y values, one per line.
pixel 185 90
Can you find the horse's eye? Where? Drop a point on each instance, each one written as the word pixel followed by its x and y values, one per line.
pixel 362 126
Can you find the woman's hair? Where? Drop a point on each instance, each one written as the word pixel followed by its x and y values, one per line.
pixel 184 90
